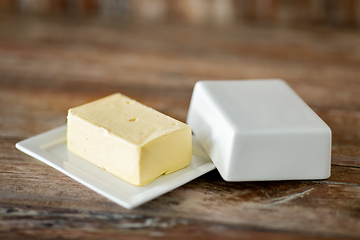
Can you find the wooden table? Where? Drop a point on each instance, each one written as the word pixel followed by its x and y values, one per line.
pixel 50 65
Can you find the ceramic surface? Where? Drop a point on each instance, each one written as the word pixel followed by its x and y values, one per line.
pixel 256 130
pixel 50 148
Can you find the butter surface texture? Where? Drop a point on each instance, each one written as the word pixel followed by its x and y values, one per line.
pixel 128 139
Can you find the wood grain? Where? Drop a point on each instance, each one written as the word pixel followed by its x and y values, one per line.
pixel 48 65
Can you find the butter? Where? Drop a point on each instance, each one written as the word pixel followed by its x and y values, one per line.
pixel 128 139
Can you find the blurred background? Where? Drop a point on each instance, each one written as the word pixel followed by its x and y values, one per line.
pixel 63 53
pixel 339 13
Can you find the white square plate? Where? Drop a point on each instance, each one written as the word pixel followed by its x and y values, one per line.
pixel 50 148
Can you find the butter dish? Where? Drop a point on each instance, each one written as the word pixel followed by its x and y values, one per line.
pixel 258 130
pixel 50 148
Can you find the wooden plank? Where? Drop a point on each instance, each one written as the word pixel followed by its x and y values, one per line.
pixel 286 206
pixel 67 223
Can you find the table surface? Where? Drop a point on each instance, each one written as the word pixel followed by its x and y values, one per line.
pixel 50 65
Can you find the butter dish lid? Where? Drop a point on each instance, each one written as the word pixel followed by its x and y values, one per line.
pixel 257 130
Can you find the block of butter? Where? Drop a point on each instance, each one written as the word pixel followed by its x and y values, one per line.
pixel 132 141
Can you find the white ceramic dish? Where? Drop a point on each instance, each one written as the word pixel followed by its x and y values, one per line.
pixel 259 130
pixel 50 148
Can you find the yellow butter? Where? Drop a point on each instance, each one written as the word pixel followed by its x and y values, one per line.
pixel 128 139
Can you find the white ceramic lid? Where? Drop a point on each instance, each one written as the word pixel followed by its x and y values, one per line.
pixel 256 130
